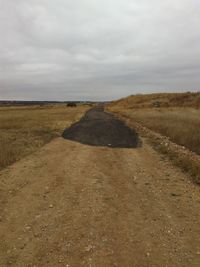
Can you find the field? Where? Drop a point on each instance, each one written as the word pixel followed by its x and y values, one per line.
pixel 180 121
pixel 176 117
pixel 160 100
pixel 24 129
pixel 102 193
pixel 181 125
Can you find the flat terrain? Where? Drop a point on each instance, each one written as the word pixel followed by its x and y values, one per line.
pixel 72 204
pixel 24 129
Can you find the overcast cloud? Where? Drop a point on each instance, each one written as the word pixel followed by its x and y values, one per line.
pixel 97 49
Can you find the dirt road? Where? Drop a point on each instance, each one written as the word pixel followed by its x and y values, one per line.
pixel 99 128
pixel 72 204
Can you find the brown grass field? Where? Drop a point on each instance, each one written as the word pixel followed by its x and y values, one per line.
pixel 180 121
pixel 175 116
pixel 24 129
pixel 181 125
pixel 160 100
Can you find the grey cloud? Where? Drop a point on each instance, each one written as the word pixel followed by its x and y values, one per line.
pixel 97 49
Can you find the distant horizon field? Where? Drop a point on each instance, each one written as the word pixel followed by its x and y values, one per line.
pixel 57 101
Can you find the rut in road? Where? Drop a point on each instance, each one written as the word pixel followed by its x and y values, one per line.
pixel 71 204
pixel 99 128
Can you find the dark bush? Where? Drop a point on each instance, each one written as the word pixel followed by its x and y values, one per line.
pixel 71 104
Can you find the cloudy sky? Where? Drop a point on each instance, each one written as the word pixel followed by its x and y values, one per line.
pixel 97 49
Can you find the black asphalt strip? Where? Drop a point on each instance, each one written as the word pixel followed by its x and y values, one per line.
pixel 98 128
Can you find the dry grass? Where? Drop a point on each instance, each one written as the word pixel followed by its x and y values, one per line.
pixel 175 116
pixel 181 125
pixel 24 129
pixel 162 100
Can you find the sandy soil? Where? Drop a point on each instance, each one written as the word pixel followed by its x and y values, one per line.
pixel 73 205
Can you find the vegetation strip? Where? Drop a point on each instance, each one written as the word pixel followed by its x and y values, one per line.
pixel 180 155
pixel 24 129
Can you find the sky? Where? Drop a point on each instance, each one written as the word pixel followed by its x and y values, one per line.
pixel 98 49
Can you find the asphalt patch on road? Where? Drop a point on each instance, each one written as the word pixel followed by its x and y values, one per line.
pixel 98 128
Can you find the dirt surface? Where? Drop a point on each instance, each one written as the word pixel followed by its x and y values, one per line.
pixel 181 156
pixel 99 128
pixel 74 205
